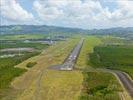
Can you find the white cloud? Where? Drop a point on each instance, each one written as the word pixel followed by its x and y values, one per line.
pixel 65 10
pixel 83 13
pixel 72 13
pixel 124 11
pixel 48 10
pixel 11 10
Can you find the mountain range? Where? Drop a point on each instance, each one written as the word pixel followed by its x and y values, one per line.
pixel 44 29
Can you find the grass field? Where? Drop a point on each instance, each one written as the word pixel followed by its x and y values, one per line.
pixel 113 57
pixel 96 83
pixel 7 70
pixel 61 85
pixel 110 40
pixel 22 36
pixel 89 43
pixel 46 83
pixel 19 44
pixel 100 86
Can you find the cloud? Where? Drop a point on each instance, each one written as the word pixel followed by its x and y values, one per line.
pixel 66 11
pixel 125 10
pixel 71 13
pixel 82 13
pixel 11 10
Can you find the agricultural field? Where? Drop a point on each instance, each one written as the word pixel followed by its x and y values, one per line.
pixel 110 40
pixel 21 44
pixel 22 36
pixel 113 57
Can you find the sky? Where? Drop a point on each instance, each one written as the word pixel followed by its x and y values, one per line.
pixel 86 14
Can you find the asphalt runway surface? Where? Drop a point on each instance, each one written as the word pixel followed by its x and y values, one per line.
pixel 125 80
pixel 71 59
pixel 128 83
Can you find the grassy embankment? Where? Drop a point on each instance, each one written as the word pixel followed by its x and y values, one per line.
pixel 19 44
pixel 22 36
pixel 96 85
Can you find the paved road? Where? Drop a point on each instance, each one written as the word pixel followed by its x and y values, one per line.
pixel 71 59
pixel 125 80
pixel 128 83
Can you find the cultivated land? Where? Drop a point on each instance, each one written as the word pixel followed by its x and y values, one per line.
pixel 113 57
pixel 22 36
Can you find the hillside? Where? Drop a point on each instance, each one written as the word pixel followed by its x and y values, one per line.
pixel 43 29
pixel 30 29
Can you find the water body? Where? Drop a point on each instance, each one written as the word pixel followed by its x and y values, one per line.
pixel 17 49
pixel 10 55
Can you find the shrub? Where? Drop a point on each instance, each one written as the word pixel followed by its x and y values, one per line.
pixel 31 64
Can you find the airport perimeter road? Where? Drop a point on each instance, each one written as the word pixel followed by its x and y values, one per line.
pixel 70 61
pixel 124 79
pixel 128 83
